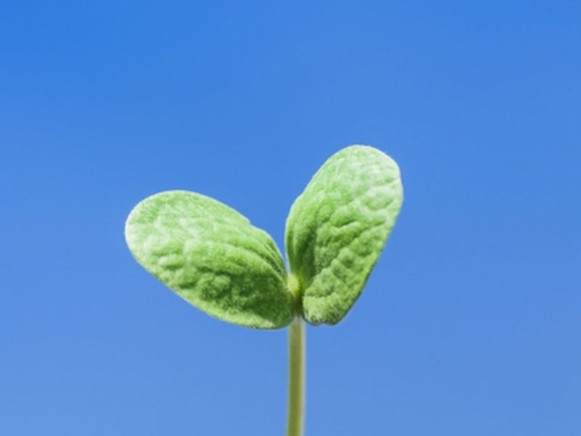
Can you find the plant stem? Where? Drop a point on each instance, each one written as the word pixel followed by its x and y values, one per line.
pixel 296 378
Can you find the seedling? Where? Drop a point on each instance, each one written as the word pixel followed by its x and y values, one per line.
pixel 215 259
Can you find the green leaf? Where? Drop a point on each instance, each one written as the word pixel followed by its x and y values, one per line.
pixel 212 257
pixel 337 228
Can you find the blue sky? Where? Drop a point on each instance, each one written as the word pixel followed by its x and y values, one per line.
pixel 471 321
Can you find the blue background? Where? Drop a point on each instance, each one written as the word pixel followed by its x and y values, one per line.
pixel 471 321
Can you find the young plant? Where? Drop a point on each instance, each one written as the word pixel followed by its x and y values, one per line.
pixel 212 256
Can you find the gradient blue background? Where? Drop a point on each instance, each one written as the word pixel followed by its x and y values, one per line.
pixel 471 322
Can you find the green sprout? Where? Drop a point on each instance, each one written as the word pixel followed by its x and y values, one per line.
pixel 215 259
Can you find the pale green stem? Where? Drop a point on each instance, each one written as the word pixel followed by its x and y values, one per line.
pixel 296 379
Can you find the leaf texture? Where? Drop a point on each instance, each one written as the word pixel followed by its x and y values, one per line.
pixel 211 256
pixel 337 228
